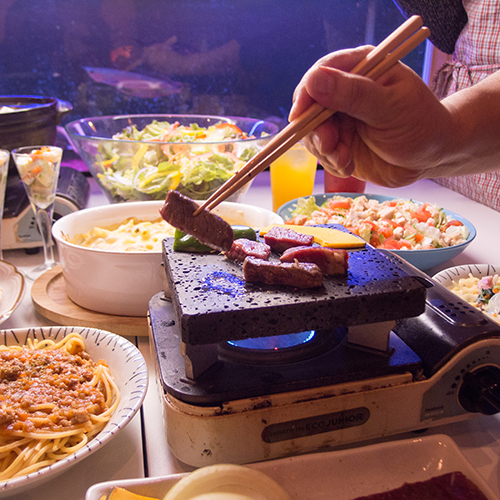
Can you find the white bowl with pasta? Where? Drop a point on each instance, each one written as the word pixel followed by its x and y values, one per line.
pixel 124 394
pixel 477 284
pixel 121 279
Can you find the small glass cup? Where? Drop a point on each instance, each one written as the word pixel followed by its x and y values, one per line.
pixel 4 169
pixel 38 167
pixel 292 175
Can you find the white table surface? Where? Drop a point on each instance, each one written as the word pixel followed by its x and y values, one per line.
pixel 141 449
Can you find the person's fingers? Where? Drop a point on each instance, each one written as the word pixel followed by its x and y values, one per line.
pixel 333 141
pixel 338 163
pixel 342 92
pixel 343 60
pixel 301 102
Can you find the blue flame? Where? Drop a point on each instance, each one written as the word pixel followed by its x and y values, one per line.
pixel 275 342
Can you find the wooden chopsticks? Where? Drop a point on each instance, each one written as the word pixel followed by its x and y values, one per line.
pixel 399 43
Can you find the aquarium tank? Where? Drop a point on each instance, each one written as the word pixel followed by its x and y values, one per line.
pixel 222 57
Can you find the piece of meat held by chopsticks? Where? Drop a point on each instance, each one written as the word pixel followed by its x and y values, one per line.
pixel 243 248
pixel 282 238
pixel 331 261
pixel 206 227
pixel 297 274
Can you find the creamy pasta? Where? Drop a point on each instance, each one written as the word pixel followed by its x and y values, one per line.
pixel 131 235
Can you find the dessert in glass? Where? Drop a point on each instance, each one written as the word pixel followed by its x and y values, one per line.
pixel 38 167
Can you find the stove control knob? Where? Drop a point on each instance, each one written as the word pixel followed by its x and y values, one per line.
pixel 480 391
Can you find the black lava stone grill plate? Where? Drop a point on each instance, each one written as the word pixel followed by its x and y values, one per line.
pixel 213 302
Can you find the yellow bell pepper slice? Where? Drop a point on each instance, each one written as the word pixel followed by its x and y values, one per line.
pixel 108 163
pixel 136 160
pixel 174 179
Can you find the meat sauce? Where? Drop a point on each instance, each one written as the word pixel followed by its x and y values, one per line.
pixel 43 390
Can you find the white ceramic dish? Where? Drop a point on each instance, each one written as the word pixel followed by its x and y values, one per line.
pixel 122 283
pixel 446 277
pixel 12 284
pixel 129 370
pixel 343 475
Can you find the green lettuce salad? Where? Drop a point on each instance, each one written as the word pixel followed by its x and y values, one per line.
pixel 194 160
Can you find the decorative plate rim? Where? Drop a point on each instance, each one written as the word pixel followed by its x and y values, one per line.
pixel 14 273
pixel 456 272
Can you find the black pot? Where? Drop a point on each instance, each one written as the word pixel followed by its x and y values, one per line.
pixel 35 125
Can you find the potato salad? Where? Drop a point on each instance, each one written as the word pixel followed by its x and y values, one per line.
pixel 394 224
pixel 483 293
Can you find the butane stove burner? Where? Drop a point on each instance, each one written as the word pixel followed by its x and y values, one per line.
pixel 277 348
pixel 328 358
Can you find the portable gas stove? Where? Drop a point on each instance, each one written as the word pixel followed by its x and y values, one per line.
pixel 382 351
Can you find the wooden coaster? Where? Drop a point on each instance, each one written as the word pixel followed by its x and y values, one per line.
pixel 51 301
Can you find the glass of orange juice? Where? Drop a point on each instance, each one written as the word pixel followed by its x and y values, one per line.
pixel 292 175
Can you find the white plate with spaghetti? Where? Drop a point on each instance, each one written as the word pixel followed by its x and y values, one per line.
pixel 11 289
pixel 477 284
pixel 124 393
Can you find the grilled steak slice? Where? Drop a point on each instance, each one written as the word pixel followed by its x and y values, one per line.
pixel 297 274
pixel 330 260
pixel 243 247
pixel 281 238
pixel 206 227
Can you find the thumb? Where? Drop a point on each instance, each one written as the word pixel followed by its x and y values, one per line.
pixel 345 92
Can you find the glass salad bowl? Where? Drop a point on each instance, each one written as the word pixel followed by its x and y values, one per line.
pixel 142 157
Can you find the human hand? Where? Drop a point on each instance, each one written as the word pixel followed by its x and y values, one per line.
pixel 388 132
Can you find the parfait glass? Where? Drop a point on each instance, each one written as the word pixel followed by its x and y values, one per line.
pixel 38 167
pixel 4 169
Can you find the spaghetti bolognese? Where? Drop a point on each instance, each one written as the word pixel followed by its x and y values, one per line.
pixel 53 399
